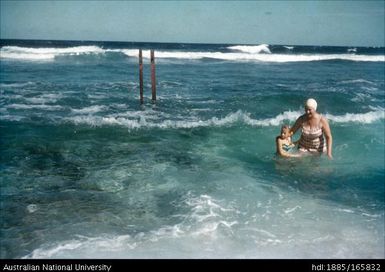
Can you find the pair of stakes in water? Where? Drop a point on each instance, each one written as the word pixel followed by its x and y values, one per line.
pixel 153 83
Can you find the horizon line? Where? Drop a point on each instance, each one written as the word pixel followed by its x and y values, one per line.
pixel 203 43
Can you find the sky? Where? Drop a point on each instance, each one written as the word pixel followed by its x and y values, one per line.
pixel 338 23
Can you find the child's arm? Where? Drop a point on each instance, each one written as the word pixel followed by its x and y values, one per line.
pixel 280 150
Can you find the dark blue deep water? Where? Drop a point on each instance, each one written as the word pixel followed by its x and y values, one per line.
pixel 88 172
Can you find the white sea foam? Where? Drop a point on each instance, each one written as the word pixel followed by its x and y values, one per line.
pixel 67 245
pixel 34 106
pixel 31 208
pixel 16 85
pixel 274 121
pixel 364 118
pixel 214 228
pixel 207 221
pixel 251 49
pixel 9 117
pixel 153 119
pixel 260 53
pixel 187 55
pixel 358 80
pixel 361 97
pixel 290 210
pixel 37 100
pixel 242 56
pixel 26 53
pixel 141 120
pixel 88 110
pixel 43 99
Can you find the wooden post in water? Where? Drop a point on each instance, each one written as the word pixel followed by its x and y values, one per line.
pixel 153 83
pixel 141 76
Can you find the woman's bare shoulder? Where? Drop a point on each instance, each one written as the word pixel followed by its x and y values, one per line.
pixel 324 119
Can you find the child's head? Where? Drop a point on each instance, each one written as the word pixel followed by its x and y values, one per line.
pixel 285 131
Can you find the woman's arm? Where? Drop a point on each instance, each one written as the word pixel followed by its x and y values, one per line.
pixel 328 136
pixel 297 125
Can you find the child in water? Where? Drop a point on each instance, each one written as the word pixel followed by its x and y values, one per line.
pixel 284 144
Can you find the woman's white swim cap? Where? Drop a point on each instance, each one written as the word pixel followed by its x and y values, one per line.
pixel 311 103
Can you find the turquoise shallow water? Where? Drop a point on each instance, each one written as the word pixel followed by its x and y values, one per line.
pixel 88 172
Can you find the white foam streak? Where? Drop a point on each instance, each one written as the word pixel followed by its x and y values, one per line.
pixel 43 99
pixel 80 244
pixel 227 235
pixel 359 80
pixel 251 49
pixel 365 118
pixel 241 56
pixel 16 52
pixel 16 85
pixel 184 55
pixel 25 56
pixel 199 224
pixel 34 106
pixel 48 253
pixel 232 118
pixel 259 53
pixel 275 121
pixel 290 210
pixel 88 110
pixel 151 119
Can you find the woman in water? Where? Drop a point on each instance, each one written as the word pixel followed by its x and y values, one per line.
pixel 314 128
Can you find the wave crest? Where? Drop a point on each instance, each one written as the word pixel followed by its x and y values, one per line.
pixel 260 53
pixel 251 49
pixel 26 53
pixel 231 119
pixel 365 118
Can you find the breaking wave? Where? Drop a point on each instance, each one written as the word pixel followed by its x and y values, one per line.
pixel 231 119
pixel 260 53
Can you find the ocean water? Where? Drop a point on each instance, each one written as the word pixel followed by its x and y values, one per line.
pixel 88 172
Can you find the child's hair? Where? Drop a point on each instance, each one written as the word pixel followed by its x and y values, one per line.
pixel 284 127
